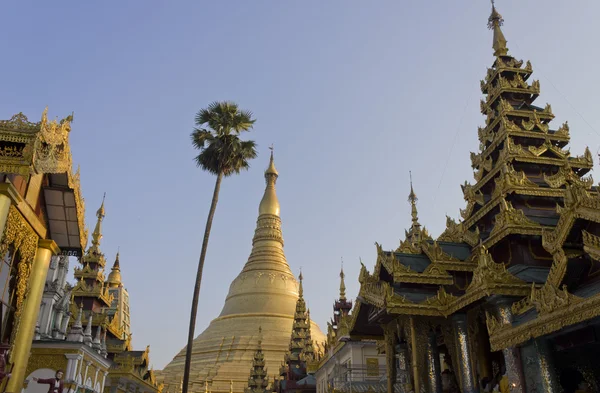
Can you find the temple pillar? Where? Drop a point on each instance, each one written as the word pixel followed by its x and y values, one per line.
pixel 512 356
pixel 483 353
pixel 103 381
pixel 434 371
pixel 403 365
pixel 464 367
pixel 390 358
pixel 29 314
pixel 541 374
pixel 72 366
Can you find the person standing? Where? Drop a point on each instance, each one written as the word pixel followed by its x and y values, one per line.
pixel 56 383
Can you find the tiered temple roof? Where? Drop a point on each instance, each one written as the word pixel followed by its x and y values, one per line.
pixel 530 229
pixel 258 381
pixel 300 360
pixel 341 311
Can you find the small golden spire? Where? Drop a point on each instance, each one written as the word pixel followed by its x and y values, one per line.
pixel 269 203
pixel 412 198
pixel 97 234
pixel 300 289
pixel 342 284
pixel 114 278
pixel 494 22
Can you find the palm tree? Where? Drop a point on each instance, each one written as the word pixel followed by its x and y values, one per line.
pixel 223 154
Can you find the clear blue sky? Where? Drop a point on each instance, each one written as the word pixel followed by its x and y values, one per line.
pixel 353 94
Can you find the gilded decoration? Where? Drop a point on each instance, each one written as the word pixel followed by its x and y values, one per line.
pixel 28 148
pixel 591 245
pixel 489 274
pixel 510 179
pixel 53 359
pixel 565 175
pixel 549 298
pixel 52 153
pixel 23 240
pixel 511 217
pixel 457 233
pixel 578 204
pixel 572 310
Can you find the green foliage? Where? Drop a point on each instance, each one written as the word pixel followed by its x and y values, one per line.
pixel 216 135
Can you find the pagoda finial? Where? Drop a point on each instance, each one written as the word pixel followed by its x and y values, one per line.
pixel 300 289
pixel 269 203
pixel 494 22
pixel 342 283
pixel 412 198
pixel 114 278
pixel 97 234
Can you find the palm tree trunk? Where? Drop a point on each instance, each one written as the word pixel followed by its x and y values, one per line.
pixel 188 352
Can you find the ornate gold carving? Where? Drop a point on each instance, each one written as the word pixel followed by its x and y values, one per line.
pixel 534 121
pixel 565 175
pixel 52 152
pixel 470 194
pixel 19 235
pixel 567 310
pixel 457 233
pixel 591 245
pixel 442 300
pixel 488 273
pixel 549 298
pixel 563 130
pixel 511 217
pixel 510 179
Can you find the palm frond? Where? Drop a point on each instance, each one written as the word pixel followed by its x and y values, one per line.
pixel 216 136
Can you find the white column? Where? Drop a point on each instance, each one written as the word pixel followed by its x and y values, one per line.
pixel 103 381
pixel 95 378
pixel 72 363
pixel 87 365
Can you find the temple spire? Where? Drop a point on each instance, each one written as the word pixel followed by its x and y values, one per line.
pixel 342 283
pixel 412 198
pixel 258 380
pixel 269 203
pixel 494 22
pixel 114 278
pixel 97 234
pixel 300 289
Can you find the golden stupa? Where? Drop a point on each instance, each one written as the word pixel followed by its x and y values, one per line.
pixel 263 295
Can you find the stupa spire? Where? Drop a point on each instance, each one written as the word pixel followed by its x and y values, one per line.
pixel 269 203
pixel 412 198
pixel 258 380
pixel 97 234
pixel 342 283
pixel 266 294
pixel 267 244
pixel 114 278
pixel 494 22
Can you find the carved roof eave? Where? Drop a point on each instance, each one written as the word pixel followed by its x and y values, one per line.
pixel 398 305
pixel 490 77
pixel 423 278
pixel 582 206
pixel 529 191
pixel 500 136
pixel 532 90
pixel 574 163
pixel 571 314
